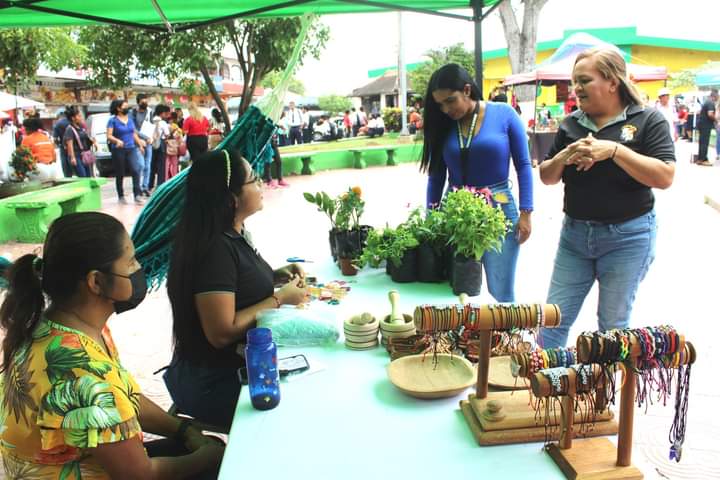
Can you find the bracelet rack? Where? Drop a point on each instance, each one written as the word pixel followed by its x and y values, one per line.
pixel 596 458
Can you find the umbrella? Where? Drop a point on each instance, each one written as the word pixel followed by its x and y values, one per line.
pixel 9 101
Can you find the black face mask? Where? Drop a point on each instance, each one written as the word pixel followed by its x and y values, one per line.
pixel 139 289
pixel 125 111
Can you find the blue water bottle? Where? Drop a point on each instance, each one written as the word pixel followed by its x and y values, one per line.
pixel 262 370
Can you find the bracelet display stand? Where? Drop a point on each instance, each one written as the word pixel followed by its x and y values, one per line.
pixel 598 458
pixel 498 418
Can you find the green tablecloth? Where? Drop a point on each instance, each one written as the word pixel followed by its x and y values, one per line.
pixel 349 422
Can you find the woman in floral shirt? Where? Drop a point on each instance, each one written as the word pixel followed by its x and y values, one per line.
pixel 68 409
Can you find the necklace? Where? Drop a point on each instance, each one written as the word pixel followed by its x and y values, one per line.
pixel 465 146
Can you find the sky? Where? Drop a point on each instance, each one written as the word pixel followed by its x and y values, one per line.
pixel 362 42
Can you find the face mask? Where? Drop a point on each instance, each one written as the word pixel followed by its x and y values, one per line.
pixel 143 106
pixel 139 289
pixel 125 111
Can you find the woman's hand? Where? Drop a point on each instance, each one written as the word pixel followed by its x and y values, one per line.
pixel 120 143
pixel 293 292
pixel 587 151
pixel 194 439
pixel 284 274
pixel 523 227
pixel 73 161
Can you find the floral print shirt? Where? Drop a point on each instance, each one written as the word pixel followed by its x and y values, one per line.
pixel 64 393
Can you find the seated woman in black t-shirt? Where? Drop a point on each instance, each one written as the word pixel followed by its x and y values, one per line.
pixel 610 154
pixel 217 284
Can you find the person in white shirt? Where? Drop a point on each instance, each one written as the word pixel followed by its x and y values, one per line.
pixel 295 122
pixel 159 146
pixel 376 126
pixel 306 126
pixel 667 108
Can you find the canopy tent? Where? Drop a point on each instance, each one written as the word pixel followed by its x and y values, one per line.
pixel 179 15
pixel 9 101
pixel 708 78
pixel 558 67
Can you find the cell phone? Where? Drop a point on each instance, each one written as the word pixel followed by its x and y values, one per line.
pixel 292 365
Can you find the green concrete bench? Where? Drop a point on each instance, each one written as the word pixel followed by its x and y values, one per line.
pixel 359 162
pixel 305 158
pixel 30 210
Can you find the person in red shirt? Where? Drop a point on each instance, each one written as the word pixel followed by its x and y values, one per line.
pixel 197 128
pixel 39 143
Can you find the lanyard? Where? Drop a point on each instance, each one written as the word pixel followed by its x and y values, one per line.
pixel 465 146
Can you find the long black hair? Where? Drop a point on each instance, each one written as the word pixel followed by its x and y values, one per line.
pixel 75 245
pixel 436 124
pixel 210 206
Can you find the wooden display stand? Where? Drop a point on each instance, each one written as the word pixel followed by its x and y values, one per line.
pixel 498 418
pixel 598 458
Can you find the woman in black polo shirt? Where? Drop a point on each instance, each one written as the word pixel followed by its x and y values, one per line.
pixel 217 284
pixel 609 154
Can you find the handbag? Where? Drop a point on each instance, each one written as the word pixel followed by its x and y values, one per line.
pixel 182 149
pixel 87 157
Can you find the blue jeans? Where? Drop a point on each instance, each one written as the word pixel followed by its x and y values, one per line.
pixel 208 394
pixel 500 266
pixel 616 255
pixel 145 165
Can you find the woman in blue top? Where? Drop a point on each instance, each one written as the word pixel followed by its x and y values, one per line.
pixel 469 142
pixel 122 138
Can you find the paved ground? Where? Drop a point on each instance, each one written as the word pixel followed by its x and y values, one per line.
pixel 678 290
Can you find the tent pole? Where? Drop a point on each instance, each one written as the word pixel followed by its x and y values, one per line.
pixel 402 77
pixel 477 6
pixel 535 109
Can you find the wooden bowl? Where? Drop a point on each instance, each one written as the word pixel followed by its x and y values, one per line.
pixel 417 376
pixel 361 329
pixel 360 338
pixel 500 376
pixel 409 324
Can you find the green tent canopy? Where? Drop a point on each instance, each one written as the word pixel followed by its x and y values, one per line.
pixel 158 14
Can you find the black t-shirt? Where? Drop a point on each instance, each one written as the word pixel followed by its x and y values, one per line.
pixel 232 265
pixel 606 193
pixel 704 121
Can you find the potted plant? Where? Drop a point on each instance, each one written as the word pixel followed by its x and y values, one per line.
pixel 347 236
pixel 428 227
pixel 472 226
pixel 376 245
pixel 23 166
pixel 402 255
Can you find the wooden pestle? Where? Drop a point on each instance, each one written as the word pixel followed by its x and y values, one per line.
pixel 395 315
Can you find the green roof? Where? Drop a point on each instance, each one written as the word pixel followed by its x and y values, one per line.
pixel 379 72
pixel 139 13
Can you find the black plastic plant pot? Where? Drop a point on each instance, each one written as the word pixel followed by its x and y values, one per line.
pixel 405 272
pixel 430 264
pixel 333 244
pixel 449 262
pixel 467 276
pixel 350 243
pixel 389 267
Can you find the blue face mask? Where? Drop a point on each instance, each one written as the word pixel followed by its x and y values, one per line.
pixel 139 290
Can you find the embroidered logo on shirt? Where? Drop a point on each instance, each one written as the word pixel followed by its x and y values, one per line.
pixel 627 133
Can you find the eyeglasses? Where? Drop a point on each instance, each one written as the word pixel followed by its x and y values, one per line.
pixel 256 180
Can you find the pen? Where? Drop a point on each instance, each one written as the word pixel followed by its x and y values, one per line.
pixel 298 260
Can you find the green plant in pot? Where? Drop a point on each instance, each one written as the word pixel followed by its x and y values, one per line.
pixel 23 166
pixel 402 254
pixel 347 236
pixel 473 227
pixel 428 227
pixel 375 250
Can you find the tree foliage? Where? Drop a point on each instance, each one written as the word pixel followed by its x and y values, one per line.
pixel 115 54
pixel 23 50
pixel 334 104
pixel 271 81
pixel 420 77
pixel 686 78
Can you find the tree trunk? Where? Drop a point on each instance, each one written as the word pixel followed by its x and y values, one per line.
pixel 216 96
pixel 521 43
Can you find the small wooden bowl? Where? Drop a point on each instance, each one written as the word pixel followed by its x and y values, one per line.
pixel 417 375
pixel 409 324
pixel 361 329
pixel 360 338
pixel 361 345
pixel 500 375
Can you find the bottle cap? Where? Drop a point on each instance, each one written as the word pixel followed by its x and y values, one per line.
pixel 259 335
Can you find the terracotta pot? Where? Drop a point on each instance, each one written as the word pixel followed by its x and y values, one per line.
pixel 347 267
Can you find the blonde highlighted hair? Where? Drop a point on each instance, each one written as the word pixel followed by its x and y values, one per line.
pixel 195 111
pixel 611 66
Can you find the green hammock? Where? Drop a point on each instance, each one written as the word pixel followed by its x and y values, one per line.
pixel 153 231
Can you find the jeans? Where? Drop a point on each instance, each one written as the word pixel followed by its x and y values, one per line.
pixel 120 158
pixel 65 163
pixel 717 142
pixel 295 136
pixel 145 166
pixel 80 169
pixel 500 266
pixel 704 143
pixel 616 255
pixel 208 394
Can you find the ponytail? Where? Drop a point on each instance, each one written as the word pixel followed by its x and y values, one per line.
pixel 23 305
